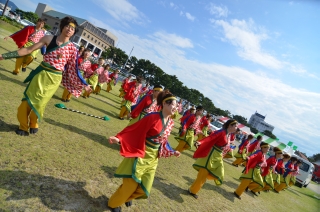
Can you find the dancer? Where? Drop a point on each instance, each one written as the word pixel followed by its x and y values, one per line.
pixel 267 172
pixel 286 177
pixel 132 90
pixel 190 127
pixel 84 65
pixel 203 126
pixel 228 153
pixel 150 136
pixel 280 169
pixel 46 78
pixel 295 173
pixel 113 81
pixel 103 78
pixel 178 110
pixel 254 146
pixel 209 163
pixel 252 171
pixel 242 153
pixel 94 77
pixel 24 38
pixel 124 82
pixel 147 104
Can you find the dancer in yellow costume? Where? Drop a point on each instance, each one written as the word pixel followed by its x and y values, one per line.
pixel 46 78
pixel 150 136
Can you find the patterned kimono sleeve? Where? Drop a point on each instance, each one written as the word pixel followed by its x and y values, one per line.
pixel 71 78
pixel 166 150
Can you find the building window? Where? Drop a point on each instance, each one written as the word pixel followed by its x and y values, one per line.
pixel 95 41
pixel 84 34
pixel 91 38
pixel 57 23
pixel 88 36
pixel 99 43
pixel 45 19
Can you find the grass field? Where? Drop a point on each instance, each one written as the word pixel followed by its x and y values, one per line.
pixel 69 164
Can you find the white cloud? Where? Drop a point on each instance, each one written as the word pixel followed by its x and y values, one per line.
pixel 293 112
pixel 190 17
pixel 218 11
pixel 247 37
pixel 122 11
pixel 181 13
pixel 173 39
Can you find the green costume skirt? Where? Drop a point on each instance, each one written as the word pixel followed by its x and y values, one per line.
pixel 255 175
pixel 286 179
pixel 111 84
pixel 188 137
pixel 205 131
pixel 43 83
pixel 142 170
pixel 141 115
pixel 34 53
pixel 243 155
pixel 213 163
pixel 268 179
pixel 293 179
pixel 93 80
pixel 276 178
pixel 127 104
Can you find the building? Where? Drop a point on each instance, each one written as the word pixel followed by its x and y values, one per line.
pixel 88 35
pixel 257 121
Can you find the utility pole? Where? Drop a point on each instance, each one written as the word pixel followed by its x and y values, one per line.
pixel 124 66
pixel 5 8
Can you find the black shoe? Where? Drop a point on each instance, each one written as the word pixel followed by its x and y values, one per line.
pixel 254 193
pixel 128 204
pixel 194 195
pixel 235 194
pixel 258 192
pixel 23 69
pixel 247 189
pixel 117 209
pixel 64 100
pixel 33 130
pixel 121 118
pixel 276 191
pixel 21 132
pixel 14 73
pixel 235 165
pixel 68 100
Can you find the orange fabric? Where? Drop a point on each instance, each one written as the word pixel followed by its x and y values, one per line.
pixel 26 117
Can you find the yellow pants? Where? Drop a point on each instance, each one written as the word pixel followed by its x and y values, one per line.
pixel 255 187
pixel 266 187
pixel 129 190
pixel 291 183
pixel 182 146
pixel 86 94
pixel 122 93
pixel 26 117
pixel 66 95
pixel 280 187
pixel 238 161
pixel 202 177
pixel 243 185
pixel 22 62
pixel 97 90
pixel 200 137
pixel 123 112
pixel 109 88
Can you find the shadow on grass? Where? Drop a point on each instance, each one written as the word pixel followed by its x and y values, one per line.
pixel 296 192
pixel 109 171
pixel 5 127
pixel 170 190
pixel 9 79
pixel 104 101
pixel 218 189
pixel 90 135
pixel 56 194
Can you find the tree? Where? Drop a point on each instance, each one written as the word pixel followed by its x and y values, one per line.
pixel 270 134
pixel 254 130
pixel 240 119
pixel 31 16
pixel 117 55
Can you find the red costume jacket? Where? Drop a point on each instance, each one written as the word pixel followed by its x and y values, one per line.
pixel 256 159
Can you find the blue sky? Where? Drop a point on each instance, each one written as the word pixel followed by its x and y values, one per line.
pixel 245 55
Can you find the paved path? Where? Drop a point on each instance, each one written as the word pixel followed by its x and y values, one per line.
pixel 314 187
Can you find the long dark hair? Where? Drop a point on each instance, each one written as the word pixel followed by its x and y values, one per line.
pixel 229 122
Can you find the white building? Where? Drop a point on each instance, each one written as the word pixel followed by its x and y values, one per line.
pixel 257 121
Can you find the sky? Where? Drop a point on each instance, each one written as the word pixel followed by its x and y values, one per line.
pixel 245 55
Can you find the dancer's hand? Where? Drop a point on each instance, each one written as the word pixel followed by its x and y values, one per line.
pixel 114 140
pixel 129 116
pixel 177 154
pixel 6 38
pixel 88 88
pixel 1 58
pixel 197 144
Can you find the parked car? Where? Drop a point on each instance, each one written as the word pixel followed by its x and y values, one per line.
pixel 305 172
pixel 215 125
pixel 26 22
